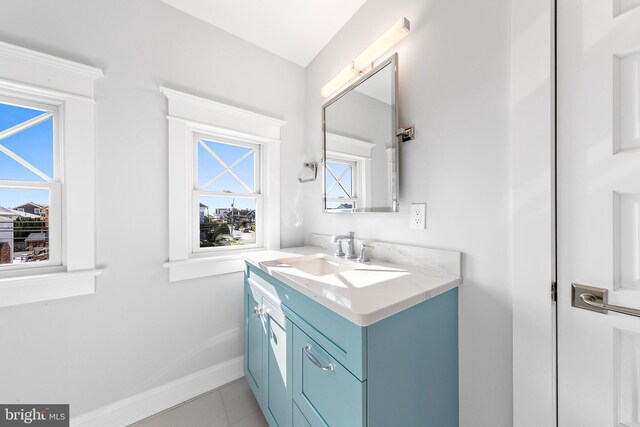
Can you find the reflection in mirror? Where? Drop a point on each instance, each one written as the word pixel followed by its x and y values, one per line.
pixel 361 149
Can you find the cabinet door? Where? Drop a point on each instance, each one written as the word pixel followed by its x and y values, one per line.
pixel 254 342
pixel 298 419
pixel 278 391
pixel 324 390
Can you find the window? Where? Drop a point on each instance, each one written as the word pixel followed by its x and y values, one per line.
pixel 29 184
pixel 224 185
pixel 340 184
pixel 227 191
pixel 47 218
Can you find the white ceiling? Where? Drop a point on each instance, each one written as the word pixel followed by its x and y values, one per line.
pixel 296 30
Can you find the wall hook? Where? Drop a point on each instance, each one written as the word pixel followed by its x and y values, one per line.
pixel 314 167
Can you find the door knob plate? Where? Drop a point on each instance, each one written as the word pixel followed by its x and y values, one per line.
pixel 600 294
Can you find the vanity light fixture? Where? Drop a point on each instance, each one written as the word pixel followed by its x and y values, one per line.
pixel 367 57
pixel 347 74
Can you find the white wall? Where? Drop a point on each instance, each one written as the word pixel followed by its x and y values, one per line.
pixel 139 331
pixel 454 87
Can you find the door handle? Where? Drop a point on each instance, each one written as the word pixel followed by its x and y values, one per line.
pixel 314 359
pixel 595 299
pixel 592 300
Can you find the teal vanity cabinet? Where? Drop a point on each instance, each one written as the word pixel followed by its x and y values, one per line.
pixel 267 344
pixel 310 367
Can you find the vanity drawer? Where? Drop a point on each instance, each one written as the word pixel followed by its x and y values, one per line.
pixel 326 393
pixel 344 340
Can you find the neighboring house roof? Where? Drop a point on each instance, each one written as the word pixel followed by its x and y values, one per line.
pixel 35 205
pixel 204 206
pixel 7 212
pixel 28 215
pixel 4 212
pixel 37 237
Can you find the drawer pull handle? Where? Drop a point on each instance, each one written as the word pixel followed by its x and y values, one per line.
pixel 312 357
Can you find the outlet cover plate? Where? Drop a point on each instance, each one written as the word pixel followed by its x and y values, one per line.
pixel 418 216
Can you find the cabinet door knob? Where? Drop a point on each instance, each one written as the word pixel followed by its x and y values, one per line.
pixel 258 311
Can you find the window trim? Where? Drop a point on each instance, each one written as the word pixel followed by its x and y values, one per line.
pixel 27 75
pixel 188 115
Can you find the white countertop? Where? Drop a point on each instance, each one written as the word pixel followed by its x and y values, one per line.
pixel 364 295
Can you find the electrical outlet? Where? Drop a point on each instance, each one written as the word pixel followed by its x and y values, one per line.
pixel 418 216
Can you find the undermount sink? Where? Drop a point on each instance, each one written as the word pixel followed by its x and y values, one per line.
pixel 318 265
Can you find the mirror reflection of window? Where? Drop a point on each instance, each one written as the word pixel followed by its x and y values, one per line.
pixel 339 184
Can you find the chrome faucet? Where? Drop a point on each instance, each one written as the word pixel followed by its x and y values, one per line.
pixel 351 251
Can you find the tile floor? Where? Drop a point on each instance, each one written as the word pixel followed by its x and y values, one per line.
pixel 232 405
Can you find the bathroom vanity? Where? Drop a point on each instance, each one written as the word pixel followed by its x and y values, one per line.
pixel 331 342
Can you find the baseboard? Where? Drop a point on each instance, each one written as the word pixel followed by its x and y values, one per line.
pixel 135 408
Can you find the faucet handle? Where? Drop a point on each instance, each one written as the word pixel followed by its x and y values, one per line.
pixel 339 251
pixel 363 253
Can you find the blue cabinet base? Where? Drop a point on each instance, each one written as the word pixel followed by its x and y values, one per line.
pixel 318 371
pixel 413 366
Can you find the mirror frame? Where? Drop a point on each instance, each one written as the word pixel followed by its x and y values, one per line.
pixel 393 61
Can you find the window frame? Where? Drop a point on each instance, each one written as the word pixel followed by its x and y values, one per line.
pixel 55 186
pixel 188 115
pixel 197 193
pixel 31 76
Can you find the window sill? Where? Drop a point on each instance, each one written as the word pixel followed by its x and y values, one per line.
pixel 45 287
pixel 197 267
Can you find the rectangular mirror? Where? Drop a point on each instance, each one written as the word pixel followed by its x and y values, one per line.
pixel 360 167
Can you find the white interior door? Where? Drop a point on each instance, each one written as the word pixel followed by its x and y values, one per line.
pixel 598 60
